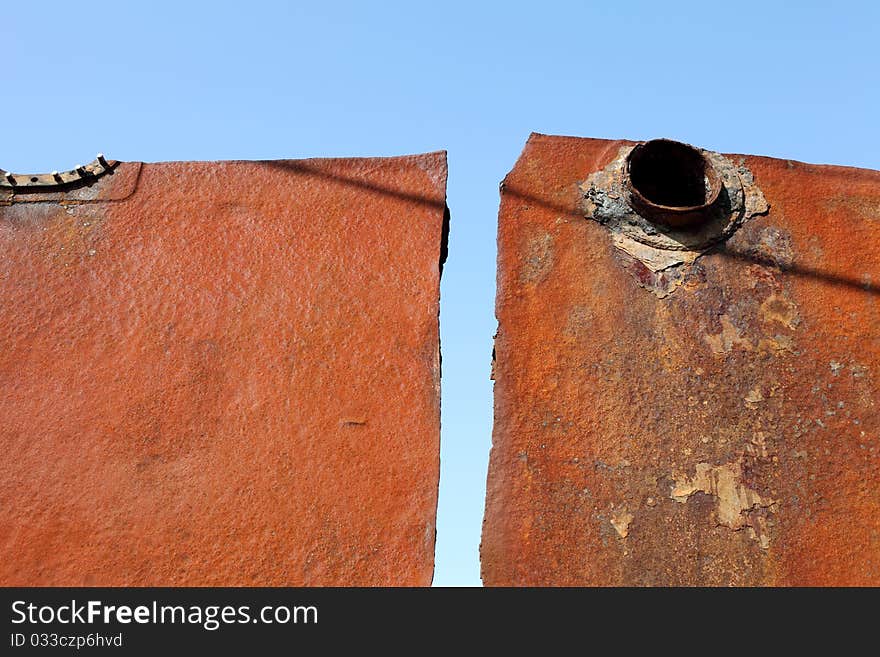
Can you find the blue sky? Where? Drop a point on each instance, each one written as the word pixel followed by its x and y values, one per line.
pixel 164 80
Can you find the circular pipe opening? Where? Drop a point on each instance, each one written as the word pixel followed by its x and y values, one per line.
pixel 671 182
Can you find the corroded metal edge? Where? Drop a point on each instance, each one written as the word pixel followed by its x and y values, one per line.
pixel 75 177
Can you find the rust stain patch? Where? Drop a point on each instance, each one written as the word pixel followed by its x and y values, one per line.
pixel 539 258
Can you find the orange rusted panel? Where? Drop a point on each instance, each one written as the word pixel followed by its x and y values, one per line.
pixel 223 373
pixel 702 417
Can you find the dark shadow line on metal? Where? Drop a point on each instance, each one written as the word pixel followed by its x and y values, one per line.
pixel 558 207
pixel 304 168
pixel 725 251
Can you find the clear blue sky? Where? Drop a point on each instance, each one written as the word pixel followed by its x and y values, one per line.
pixel 164 80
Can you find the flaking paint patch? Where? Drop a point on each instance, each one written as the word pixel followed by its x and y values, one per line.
pixel 777 308
pixel 776 344
pixel 621 520
pixel 729 337
pixel 754 396
pixel 757 446
pixel 654 259
pixel 734 499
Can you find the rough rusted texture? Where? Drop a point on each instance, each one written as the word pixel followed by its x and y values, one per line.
pixel 726 433
pixel 226 374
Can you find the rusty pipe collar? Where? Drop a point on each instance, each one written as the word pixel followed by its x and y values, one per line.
pixel 671 183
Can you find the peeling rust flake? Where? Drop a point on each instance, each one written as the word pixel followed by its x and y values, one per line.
pixel 689 405
pixel 735 500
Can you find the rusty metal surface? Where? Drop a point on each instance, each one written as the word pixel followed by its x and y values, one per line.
pixel 223 373
pixel 722 430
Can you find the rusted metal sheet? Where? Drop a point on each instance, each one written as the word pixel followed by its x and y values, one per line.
pixel 685 406
pixel 222 373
